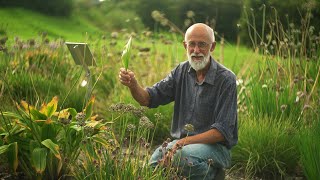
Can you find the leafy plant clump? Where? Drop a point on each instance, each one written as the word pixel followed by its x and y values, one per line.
pixel 45 143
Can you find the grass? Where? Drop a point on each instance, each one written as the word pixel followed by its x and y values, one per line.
pixel 27 24
pixel 267 147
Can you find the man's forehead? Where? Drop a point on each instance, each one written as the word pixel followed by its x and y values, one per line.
pixel 197 36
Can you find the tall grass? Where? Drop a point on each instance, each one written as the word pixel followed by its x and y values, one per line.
pixel 278 98
pixel 267 148
pixel 289 68
pixel 310 151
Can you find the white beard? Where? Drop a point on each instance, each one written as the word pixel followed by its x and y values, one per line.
pixel 198 65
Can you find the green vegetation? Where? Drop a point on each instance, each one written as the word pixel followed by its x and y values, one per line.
pixel 26 24
pixel 278 97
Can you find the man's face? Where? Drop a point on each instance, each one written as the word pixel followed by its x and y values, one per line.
pixel 198 53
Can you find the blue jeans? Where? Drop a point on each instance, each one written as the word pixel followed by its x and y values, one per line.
pixel 197 161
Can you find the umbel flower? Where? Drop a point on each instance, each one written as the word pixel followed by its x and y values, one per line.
pixel 189 128
pixel 145 122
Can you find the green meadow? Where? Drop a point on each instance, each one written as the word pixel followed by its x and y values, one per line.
pixel 53 126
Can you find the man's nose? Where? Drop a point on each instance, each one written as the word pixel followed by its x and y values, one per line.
pixel 196 49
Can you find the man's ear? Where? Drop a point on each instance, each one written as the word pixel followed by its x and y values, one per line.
pixel 213 45
pixel 184 45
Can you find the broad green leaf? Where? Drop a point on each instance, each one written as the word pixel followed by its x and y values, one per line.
pixel 33 144
pixel 48 131
pixel 12 155
pixel 126 54
pixel 37 115
pixel 88 109
pixel 39 159
pixel 54 148
pixel 73 113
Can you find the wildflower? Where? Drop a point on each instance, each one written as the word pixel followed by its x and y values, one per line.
pixel 145 122
pixel 142 141
pixel 131 127
pixel 310 80
pixel 114 35
pixel 187 22
pixel 3 40
pixel 138 112
pixel 190 14
pixel 264 86
pixel 80 116
pixel 239 81
pixel 65 121
pixel 189 127
pixel 158 116
pixel 210 162
pixel 283 107
pixel 147 145
pixel 89 131
pixel 31 42
pixel 164 144
pixel 156 15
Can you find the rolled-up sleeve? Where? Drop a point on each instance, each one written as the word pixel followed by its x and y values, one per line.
pixel 226 113
pixel 162 92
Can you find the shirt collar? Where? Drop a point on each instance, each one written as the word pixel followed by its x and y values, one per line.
pixel 211 74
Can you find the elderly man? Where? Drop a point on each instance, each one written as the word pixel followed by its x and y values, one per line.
pixel 205 96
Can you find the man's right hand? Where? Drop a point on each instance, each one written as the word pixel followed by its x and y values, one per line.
pixel 127 78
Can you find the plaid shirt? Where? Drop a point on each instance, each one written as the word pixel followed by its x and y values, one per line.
pixel 206 105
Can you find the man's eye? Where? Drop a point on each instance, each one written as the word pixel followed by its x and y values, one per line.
pixel 192 44
pixel 202 44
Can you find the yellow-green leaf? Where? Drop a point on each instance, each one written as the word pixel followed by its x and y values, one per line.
pixel 37 115
pixel 26 106
pixel 54 148
pixel 126 54
pixel 39 159
pixel 52 106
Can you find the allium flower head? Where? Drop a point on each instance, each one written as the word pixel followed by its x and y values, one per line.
pixel 189 128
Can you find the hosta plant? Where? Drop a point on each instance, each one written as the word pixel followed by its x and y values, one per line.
pixel 45 143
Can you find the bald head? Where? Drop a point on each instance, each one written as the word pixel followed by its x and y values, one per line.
pixel 200 30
